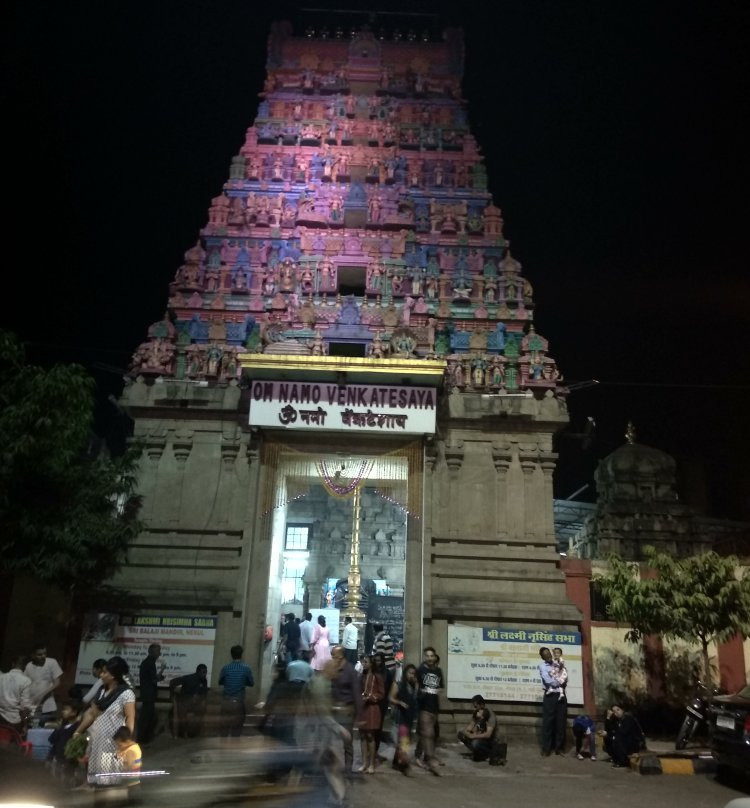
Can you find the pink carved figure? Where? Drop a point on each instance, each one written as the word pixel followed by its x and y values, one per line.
pixel 342 167
pixel 306 280
pixel 406 311
pixel 374 208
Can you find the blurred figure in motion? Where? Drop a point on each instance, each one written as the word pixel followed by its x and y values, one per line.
pixel 403 697
pixel 346 700
pixel 235 676
pixel 189 694
pixel 149 678
pixel 321 731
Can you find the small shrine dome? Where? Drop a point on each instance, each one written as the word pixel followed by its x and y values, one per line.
pixel 636 471
pixel 637 460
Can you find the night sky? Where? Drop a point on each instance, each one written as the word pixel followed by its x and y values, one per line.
pixel 616 141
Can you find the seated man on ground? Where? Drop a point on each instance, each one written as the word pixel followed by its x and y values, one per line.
pixel 481 735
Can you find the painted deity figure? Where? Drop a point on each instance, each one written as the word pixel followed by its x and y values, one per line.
pixel 497 374
pixel 374 276
pixel 317 348
pixel 213 357
pixel 377 349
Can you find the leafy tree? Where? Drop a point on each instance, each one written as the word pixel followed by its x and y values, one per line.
pixel 703 598
pixel 67 512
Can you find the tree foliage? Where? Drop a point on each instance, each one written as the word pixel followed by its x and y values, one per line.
pixel 67 514
pixel 703 598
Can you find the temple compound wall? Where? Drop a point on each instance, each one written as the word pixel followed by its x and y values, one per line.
pixel 347 404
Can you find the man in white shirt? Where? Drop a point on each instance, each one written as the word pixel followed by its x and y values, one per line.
pixel 15 697
pixel 45 674
pixel 305 634
pixel 349 640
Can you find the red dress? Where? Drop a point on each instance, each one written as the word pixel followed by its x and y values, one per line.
pixel 373 692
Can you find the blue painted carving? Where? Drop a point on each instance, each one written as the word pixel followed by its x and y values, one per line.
pixel 198 329
pixel 349 314
pixel 460 340
pixel 496 338
pixel 356 198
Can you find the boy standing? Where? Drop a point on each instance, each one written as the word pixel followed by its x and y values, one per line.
pixel 64 767
pixel 430 679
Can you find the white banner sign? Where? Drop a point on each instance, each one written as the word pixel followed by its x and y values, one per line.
pixel 343 408
pixel 502 664
pixel 186 642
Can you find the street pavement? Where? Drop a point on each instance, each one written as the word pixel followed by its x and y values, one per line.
pixel 198 767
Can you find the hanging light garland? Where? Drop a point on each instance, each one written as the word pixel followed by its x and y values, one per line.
pixel 398 504
pixel 333 481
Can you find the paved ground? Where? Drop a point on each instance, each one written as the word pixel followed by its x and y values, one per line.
pixel 527 780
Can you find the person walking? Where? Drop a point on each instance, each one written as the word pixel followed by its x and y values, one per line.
pixel 320 645
pixel 113 707
pixel 235 676
pixel 149 678
pixel 305 634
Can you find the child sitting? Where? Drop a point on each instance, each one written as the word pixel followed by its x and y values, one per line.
pixel 129 754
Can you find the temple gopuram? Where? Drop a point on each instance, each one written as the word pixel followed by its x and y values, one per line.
pixel 347 407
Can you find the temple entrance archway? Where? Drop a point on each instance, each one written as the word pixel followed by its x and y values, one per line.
pixel 342 527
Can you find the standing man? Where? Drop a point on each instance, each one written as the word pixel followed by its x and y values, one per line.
pixel 149 678
pixel 15 696
pixel 235 676
pixel 430 679
pixel 383 644
pixel 349 641
pixel 45 674
pixel 189 698
pixel 346 701
pixel 554 706
pixel 305 634
pixel 292 635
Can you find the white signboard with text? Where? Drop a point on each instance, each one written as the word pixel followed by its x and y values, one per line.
pixel 343 408
pixel 186 642
pixel 502 664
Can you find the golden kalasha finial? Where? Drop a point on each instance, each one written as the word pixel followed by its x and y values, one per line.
pixel 630 433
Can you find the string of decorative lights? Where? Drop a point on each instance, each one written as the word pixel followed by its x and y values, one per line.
pixel 395 502
pixel 331 479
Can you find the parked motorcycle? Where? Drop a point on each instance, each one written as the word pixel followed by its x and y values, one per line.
pixel 696 713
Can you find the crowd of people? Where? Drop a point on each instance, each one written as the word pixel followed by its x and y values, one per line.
pixel 321 694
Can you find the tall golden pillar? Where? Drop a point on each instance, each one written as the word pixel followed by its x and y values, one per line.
pixel 354 575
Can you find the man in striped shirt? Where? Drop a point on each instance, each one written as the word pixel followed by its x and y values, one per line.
pixel 383 644
pixel 235 676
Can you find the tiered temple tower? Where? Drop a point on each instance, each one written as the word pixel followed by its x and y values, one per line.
pixel 355 241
